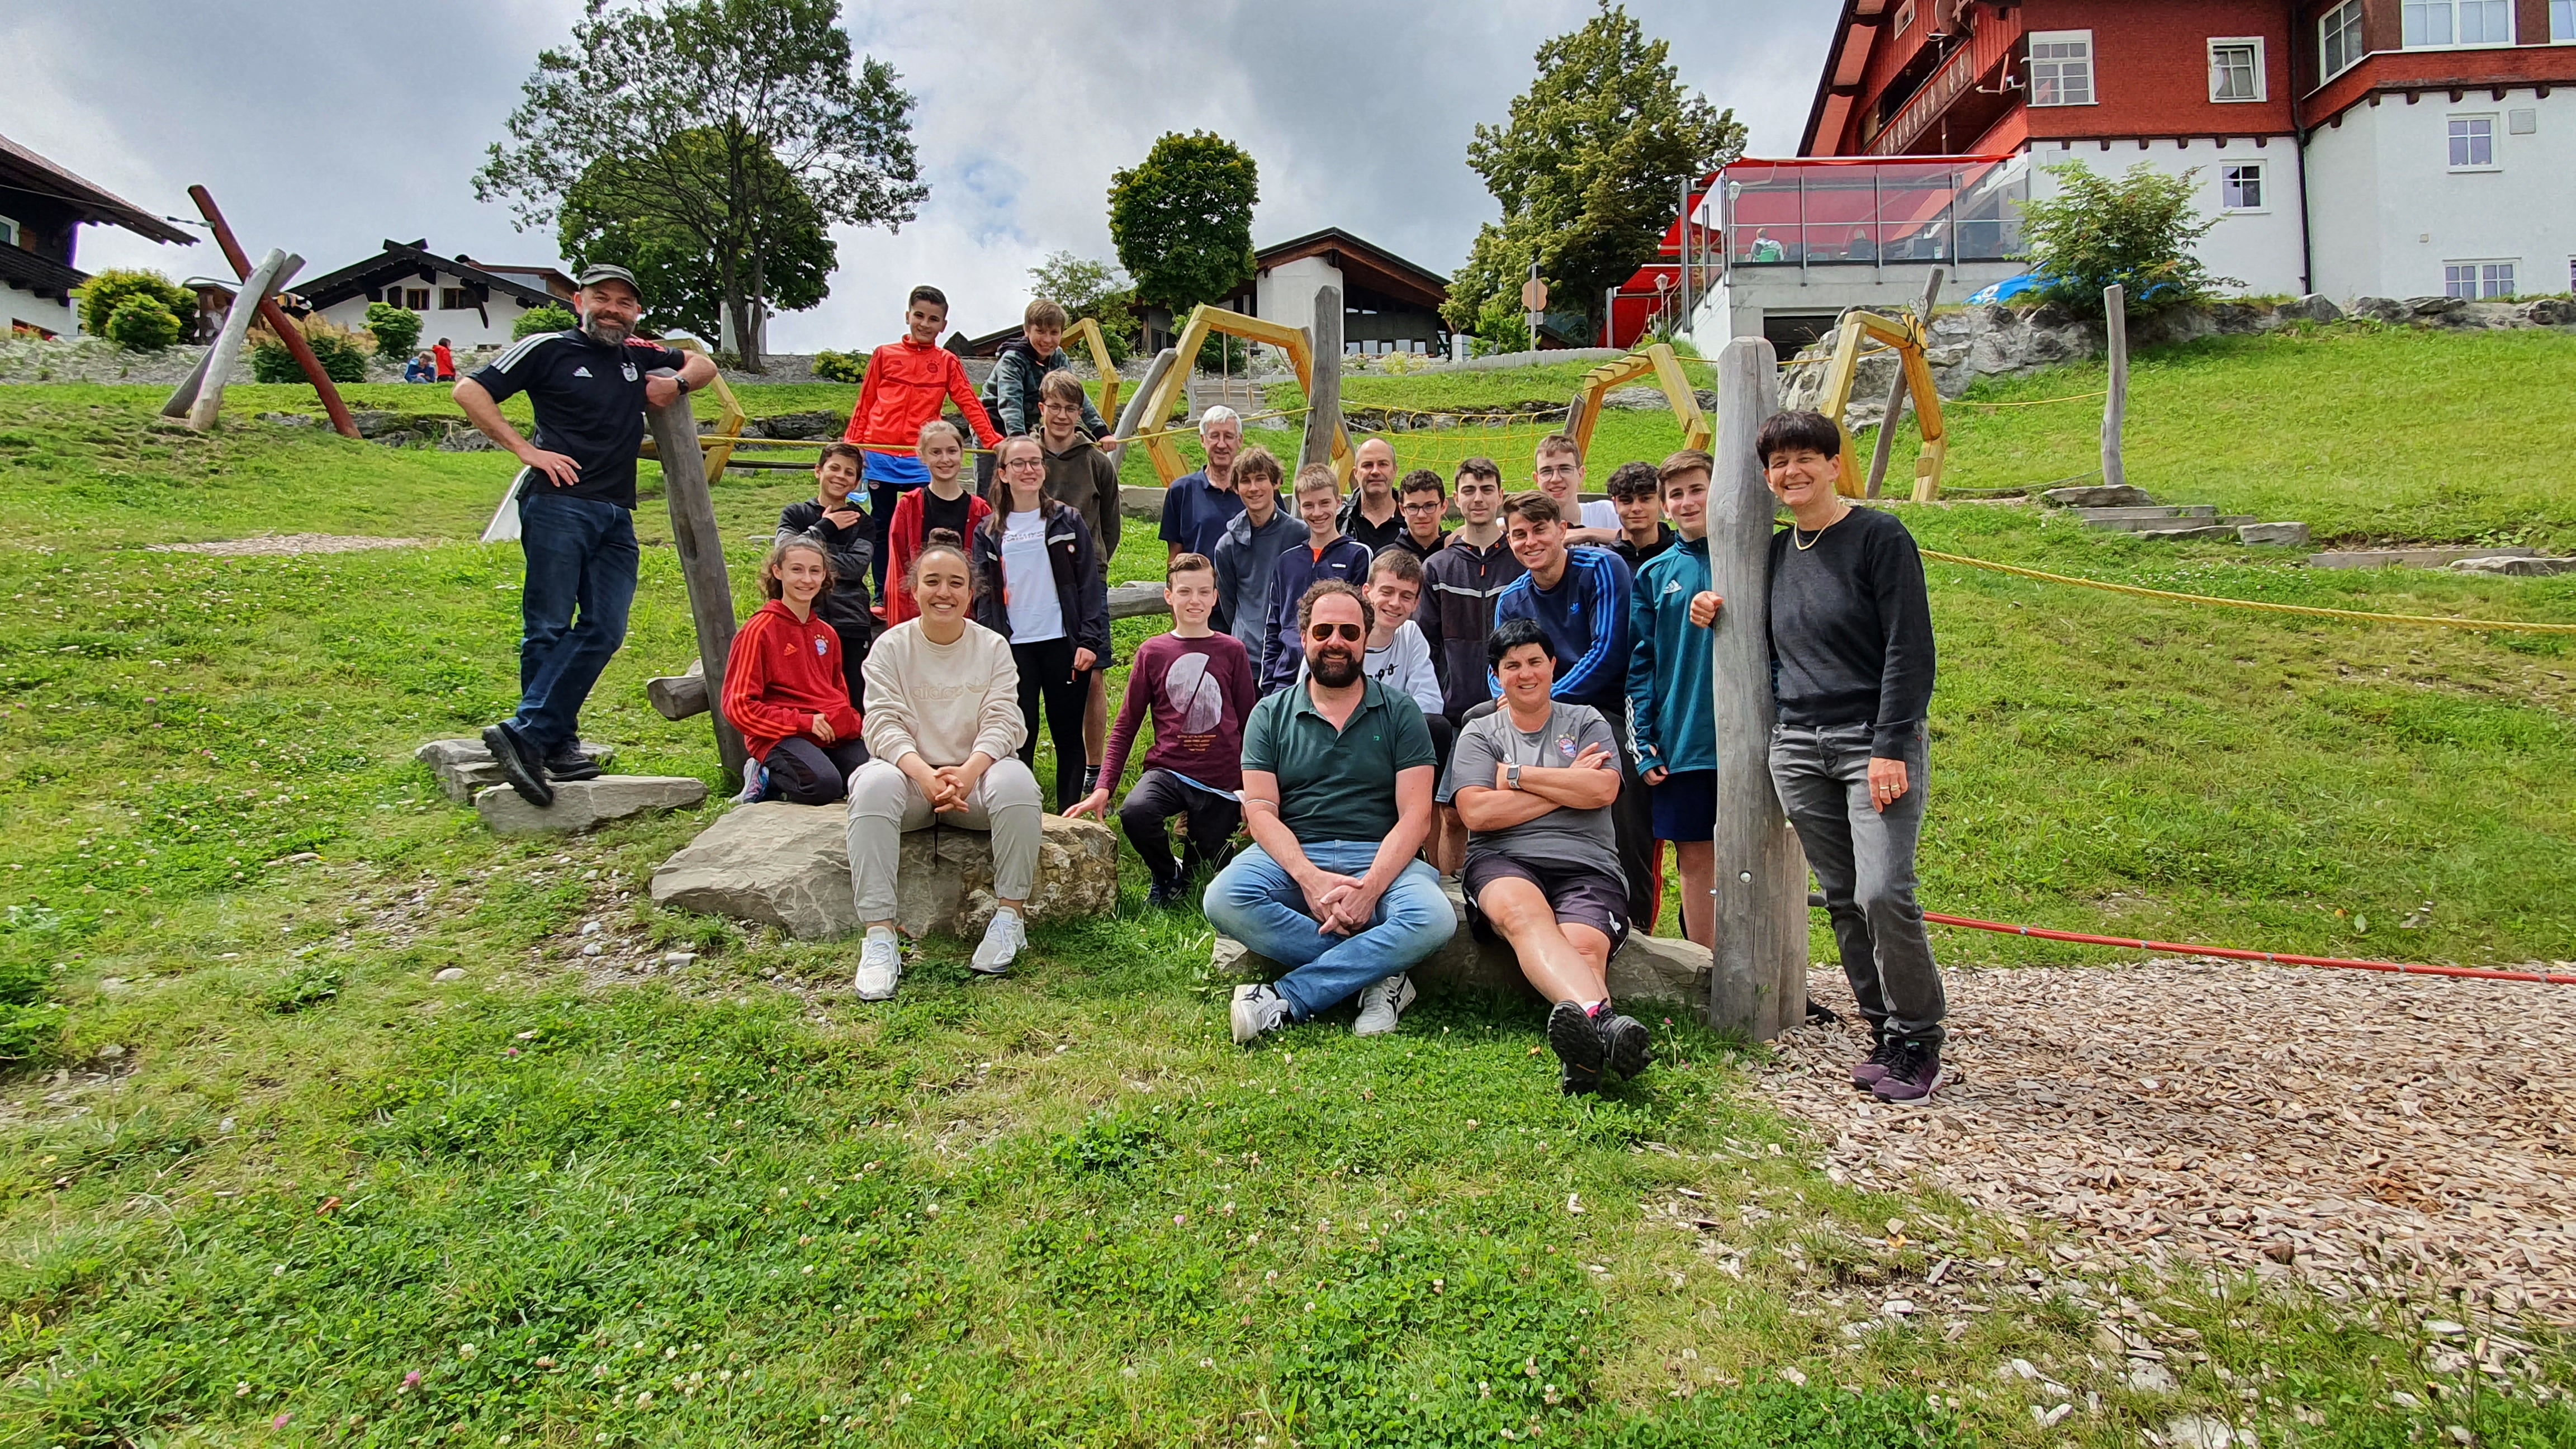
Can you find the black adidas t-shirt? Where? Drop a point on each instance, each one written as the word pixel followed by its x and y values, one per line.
pixel 589 398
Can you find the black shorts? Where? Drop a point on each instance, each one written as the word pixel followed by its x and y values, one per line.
pixel 1586 897
pixel 1686 805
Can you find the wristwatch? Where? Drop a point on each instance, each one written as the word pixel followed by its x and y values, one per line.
pixel 683 384
pixel 1514 776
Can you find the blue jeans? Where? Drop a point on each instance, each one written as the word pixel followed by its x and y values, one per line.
pixel 581 558
pixel 1258 903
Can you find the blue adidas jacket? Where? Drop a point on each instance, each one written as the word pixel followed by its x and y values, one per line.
pixel 1586 618
pixel 1672 719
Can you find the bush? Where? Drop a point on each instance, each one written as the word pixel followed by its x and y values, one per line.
pixel 2137 230
pixel 341 353
pixel 101 295
pixel 840 367
pixel 543 319
pixel 397 329
pixel 1224 353
pixel 142 323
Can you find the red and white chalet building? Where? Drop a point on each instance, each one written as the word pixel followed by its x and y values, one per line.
pixel 2393 148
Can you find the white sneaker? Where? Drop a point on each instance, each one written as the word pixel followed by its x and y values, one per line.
pixel 1381 1002
pixel 1257 1009
pixel 880 967
pixel 1003 938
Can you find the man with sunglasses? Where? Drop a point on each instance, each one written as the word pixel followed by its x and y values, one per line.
pixel 1337 784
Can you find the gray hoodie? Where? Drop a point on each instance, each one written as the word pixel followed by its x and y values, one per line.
pixel 1245 561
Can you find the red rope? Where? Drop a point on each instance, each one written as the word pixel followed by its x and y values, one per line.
pixel 2480 973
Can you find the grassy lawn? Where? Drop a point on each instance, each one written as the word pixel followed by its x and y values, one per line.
pixel 255 1161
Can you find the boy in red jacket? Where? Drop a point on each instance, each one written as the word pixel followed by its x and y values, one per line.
pixel 906 383
pixel 783 686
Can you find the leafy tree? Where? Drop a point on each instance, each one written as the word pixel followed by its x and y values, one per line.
pixel 703 110
pixel 1182 219
pixel 102 294
pixel 397 329
pixel 543 319
pixel 680 274
pixel 2137 229
pixel 1589 171
pixel 142 323
pixel 1086 288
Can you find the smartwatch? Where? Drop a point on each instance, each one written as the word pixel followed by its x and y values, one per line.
pixel 1514 775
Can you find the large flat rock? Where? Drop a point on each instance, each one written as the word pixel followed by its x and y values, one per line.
pixel 1646 968
pixel 588 804
pixel 789 866
pixel 464 766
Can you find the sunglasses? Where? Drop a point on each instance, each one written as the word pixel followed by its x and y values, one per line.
pixel 1347 633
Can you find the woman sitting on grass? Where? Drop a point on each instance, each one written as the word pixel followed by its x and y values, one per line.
pixel 945 503
pixel 784 687
pixel 1043 591
pixel 944 725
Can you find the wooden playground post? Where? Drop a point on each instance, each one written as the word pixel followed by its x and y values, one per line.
pixel 1896 390
pixel 2115 407
pixel 701 550
pixel 275 316
pixel 1759 985
pixel 1324 391
pixel 203 392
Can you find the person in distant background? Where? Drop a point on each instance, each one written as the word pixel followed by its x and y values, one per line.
pixel 423 368
pixel 831 519
pixel 446 360
pixel 906 384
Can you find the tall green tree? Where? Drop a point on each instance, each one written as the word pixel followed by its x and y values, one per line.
pixel 703 110
pixel 1589 170
pixel 2139 229
pixel 681 275
pixel 1093 289
pixel 1182 219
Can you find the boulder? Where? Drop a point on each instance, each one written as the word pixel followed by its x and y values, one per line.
pixel 807 426
pixel 464 766
pixel 588 804
pixel 789 866
pixel 2099 495
pixel 2520 568
pixel 2381 309
pixel 2550 312
pixel 2314 307
pixel 1646 968
pixel 2277 535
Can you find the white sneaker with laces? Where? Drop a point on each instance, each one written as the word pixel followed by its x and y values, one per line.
pixel 1381 1003
pixel 880 967
pixel 1004 935
pixel 1257 1009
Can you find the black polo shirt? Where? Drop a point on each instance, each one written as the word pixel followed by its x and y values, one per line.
pixel 589 398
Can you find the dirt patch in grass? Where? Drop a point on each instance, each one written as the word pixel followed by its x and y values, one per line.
pixel 2367 1134
pixel 283 544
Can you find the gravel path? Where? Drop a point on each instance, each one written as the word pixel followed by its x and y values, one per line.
pixel 2365 1133
pixel 282 544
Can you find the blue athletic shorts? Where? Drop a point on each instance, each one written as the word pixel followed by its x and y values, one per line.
pixel 1686 805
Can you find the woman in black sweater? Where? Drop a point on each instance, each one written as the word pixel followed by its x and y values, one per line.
pixel 1851 662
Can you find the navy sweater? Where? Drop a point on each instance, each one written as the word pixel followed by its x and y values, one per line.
pixel 1586 618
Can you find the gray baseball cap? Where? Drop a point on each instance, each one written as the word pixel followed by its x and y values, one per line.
pixel 603 272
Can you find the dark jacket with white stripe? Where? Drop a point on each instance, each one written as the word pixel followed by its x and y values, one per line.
pixel 1459 586
pixel 1081 590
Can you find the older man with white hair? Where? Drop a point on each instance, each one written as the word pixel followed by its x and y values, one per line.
pixel 1198 506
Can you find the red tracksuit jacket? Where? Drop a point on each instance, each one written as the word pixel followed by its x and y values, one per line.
pixel 780 675
pixel 905 385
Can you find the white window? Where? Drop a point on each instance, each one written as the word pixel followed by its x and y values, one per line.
pixel 2562 21
pixel 2477 281
pixel 2430 24
pixel 2061 67
pixel 2240 186
pixel 2339 39
pixel 1904 17
pixel 2473 143
pixel 8 232
pixel 2236 70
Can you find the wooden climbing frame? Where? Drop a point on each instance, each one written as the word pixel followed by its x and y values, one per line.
pixel 1168 389
pixel 1904 336
pixel 1665 365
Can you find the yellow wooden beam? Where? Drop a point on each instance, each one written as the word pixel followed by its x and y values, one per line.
pixel 1088 330
pixel 1697 430
pixel 718 445
pixel 1153 423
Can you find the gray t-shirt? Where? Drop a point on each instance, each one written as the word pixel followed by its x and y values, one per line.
pixel 1561 837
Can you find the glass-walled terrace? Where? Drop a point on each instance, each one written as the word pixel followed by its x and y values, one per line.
pixel 1926 209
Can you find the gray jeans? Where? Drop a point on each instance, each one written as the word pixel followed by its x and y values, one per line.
pixel 884 803
pixel 1864 860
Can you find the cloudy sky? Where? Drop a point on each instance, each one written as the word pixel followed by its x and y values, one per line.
pixel 325 126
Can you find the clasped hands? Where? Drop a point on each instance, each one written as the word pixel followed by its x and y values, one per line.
pixel 1340 904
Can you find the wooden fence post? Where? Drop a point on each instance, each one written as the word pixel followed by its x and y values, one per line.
pixel 702 565
pixel 275 316
pixel 2115 408
pixel 208 383
pixel 1324 394
pixel 1759 986
pixel 1896 392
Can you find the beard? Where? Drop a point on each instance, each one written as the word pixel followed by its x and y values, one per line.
pixel 601 329
pixel 1335 667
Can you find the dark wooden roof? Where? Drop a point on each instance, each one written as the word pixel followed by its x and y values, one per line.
pixel 412 261
pixel 24 170
pixel 41 275
pixel 1362 265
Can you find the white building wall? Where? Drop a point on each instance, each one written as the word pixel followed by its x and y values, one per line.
pixel 2390 211
pixel 2259 248
pixel 19 306
pixel 1286 293
pixel 465 329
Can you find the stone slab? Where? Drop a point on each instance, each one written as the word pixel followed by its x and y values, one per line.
pixel 1140 600
pixel 2519 568
pixel 464 767
pixel 2099 495
pixel 588 804
pixel 2419 558
pixel 2115 516
pixel 788 866
pixel 2197 532
pixel 2276 535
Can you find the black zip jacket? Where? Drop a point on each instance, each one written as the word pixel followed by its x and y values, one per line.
pixel 846 607
pixel 1081 590
pixel 1456 616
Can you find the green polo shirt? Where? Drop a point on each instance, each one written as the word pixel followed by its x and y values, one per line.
pixel 1337 785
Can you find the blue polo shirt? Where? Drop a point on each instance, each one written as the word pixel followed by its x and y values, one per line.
pixel 1195 513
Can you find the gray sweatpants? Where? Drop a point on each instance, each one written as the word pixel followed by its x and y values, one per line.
pixel 1864 861
pixel 884 803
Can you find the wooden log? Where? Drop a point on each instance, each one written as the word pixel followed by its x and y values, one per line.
pixel 1131 419
pixel 276 318
pixel 702 565
pixel 1759 986
pixel 678 696
pixel 1324 393
pixel 183 401
pixel 2115 408
pixel 228 343
pixel 1896 392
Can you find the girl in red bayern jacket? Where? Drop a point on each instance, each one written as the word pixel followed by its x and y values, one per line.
pixel 783 685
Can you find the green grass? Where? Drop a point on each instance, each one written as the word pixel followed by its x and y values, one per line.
pixel 628 1178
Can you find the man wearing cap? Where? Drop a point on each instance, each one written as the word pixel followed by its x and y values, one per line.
pixel 576 494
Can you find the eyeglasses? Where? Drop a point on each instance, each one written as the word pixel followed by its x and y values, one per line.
pixel 1347 633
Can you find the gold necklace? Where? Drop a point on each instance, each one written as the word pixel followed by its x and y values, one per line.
pixel 1804 544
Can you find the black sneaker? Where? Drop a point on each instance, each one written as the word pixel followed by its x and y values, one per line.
pixel 1872 1071
pixel 518 765
pixel 572 765
pixel 1627 1047
pixel 1913 1076
pixel 1576 1039
pixel 1168 894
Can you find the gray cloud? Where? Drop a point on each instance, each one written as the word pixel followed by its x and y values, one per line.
pixel 326 127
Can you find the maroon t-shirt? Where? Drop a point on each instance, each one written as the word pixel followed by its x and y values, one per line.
pixel 1201 691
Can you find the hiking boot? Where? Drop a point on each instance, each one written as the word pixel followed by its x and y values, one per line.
pixel 518 765
pixel 1576 1039
pixel 1004 935
pixel 1913 1076
pixel 572 765
pixel 1870 1072
pixel 880 967
pixel 1257 1009
pixel 1627 1047
pixel 1381 1003
pixel 1168 895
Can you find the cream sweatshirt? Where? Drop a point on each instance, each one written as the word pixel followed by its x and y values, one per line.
pixel 942 702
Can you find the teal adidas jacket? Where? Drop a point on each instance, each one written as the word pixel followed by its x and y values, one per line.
pixel 1670 709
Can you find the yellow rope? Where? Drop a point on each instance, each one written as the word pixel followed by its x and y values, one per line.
pixel 2040 402
pixel 2312 611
